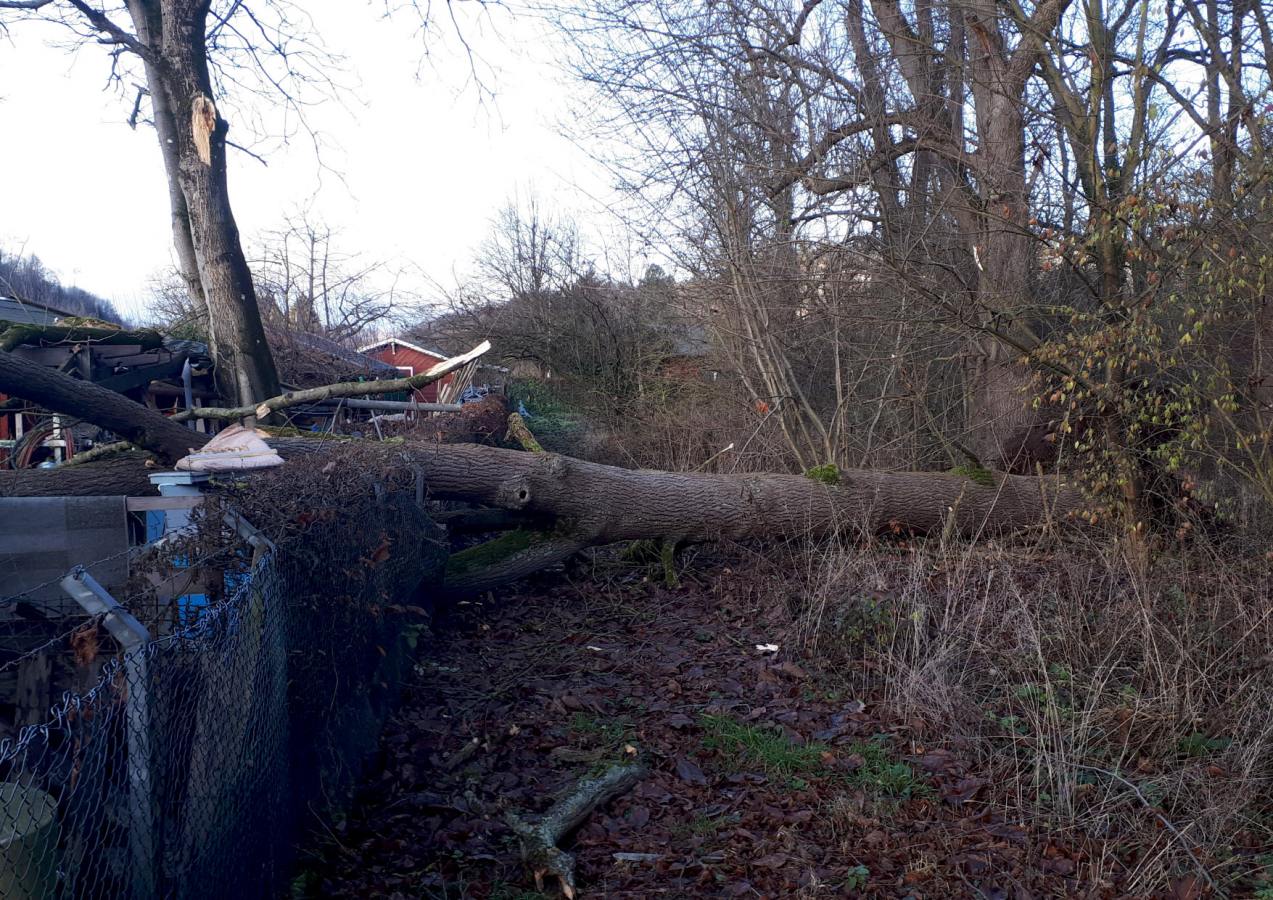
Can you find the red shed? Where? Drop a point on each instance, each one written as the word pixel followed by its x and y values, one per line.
pixel 410 359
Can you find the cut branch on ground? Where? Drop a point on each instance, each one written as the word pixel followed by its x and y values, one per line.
pixel 539 839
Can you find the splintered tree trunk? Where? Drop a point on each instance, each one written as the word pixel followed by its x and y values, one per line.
pixel 192 135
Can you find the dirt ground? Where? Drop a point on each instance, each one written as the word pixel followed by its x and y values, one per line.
pixel 765 777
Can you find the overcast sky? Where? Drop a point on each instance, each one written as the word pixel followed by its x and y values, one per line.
pixel 426 159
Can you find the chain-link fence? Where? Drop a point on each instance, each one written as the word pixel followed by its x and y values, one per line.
pixel 238 719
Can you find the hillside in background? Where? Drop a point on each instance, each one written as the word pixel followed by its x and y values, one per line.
pixel 27 278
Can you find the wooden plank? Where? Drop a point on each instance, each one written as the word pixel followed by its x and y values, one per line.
pixel 148 504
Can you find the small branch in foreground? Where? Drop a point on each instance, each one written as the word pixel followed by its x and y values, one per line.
pixel 334 391
pixel 101 451
pixel 539 840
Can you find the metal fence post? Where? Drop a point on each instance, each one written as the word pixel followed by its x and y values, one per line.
pixel 250 533
pixel 134 637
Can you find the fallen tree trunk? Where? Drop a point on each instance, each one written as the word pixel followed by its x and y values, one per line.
pixel 589 503
pixel 125 475
pixel 61 393
pixel 605 503
pixel 13 335
pixel 598 504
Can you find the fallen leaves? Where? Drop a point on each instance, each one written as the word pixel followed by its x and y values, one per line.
pixel 689 772
pixel 520 685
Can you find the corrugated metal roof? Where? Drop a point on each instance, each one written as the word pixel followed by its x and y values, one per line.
pixel 345 354
pixel 21 312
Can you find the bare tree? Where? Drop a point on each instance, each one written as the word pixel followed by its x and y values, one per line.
pixel 306 280
pixel 182 48
pixel 529 250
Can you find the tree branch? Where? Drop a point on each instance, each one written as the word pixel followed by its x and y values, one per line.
pixel 114 33
pixel 333 391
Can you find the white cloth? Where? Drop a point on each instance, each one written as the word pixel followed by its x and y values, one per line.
pixel 234 448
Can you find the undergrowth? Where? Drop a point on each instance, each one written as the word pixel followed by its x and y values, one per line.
pixel 1104 702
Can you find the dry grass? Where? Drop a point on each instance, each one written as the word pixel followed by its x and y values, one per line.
pixel 1133 711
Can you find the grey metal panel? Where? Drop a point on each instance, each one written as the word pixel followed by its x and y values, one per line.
pixel 42 538
pixel 22 313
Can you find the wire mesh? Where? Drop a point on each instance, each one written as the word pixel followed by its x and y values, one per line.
pixel 192 765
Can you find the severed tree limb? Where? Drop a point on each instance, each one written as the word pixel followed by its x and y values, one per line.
pixel 518 429
pixel 539 839
pixel 13 336
pixel 510 556
pixel 334 391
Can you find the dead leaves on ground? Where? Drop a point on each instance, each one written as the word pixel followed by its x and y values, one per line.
pixel 513 703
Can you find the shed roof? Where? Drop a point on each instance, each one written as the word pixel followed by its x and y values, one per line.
pixel 343 353
pixel 410 346
pixel 24 312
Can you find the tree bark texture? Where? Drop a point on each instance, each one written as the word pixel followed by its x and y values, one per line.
pixel 173 35
pixel 120 476
pixel 601 504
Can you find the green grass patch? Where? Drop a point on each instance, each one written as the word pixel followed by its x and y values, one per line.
pixel 603 731
pixel 704 826
pixel 1198 744
pixel 883 774
pixel 743 746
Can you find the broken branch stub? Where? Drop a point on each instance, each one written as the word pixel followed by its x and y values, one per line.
pixel 539 839
pixel 518 429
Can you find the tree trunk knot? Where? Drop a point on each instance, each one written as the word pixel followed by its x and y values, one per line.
pixel 514 493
